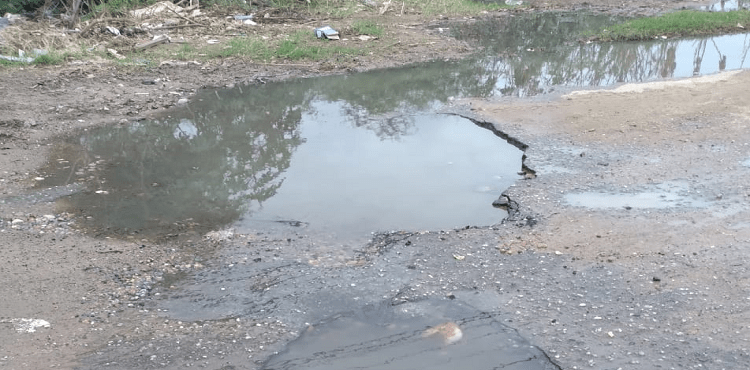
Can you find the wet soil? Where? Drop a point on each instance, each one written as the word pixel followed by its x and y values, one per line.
pixel 632 287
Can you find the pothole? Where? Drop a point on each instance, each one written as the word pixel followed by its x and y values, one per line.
pixel 422 335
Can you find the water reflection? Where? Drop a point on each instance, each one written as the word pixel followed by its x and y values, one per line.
pixel 229 152
pixel 342 155
pixel 727 5
pixel 534 54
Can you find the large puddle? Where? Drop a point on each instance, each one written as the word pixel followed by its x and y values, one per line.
pixel 314 156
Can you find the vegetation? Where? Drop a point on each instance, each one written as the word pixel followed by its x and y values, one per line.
pixel 19 6
pixel 681 23
pixel 367 27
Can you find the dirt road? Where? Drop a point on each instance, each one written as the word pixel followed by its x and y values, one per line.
pixel 628 252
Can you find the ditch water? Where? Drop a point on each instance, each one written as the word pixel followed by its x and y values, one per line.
pixel 339 157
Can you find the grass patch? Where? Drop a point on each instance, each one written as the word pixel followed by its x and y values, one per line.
pixel 240 47
pixel 304 45
pixel 49 59
pixel 451 7
pixel 301 45
pixel 367 28
pixel 681 23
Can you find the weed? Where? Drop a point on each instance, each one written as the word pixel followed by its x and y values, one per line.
pixel 241 47
pixel 682 23
pixel 451 6
pixel 367 27
pixel 304 45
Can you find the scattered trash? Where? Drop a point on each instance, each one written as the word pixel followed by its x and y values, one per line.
pixel 449 332
pixel 220 235
pixel 115 54
pixel 513 2
pixel 212 41
pixel 365 38
pixel 16 59
pixel 327 32
pixel 22 56
pixel 740 26
pixel 243 17
pixel 160 39
pixel 178 63
pixel 113 30
pixel 249 22
pixel 12 18
pixel 27 325
pixel 156 8
pixel 384 8
pixel 459 257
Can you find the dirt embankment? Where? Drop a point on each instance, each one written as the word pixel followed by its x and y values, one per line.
pixel 688 139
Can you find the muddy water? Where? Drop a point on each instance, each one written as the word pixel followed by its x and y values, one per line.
pixel 316 156
pixel 403 341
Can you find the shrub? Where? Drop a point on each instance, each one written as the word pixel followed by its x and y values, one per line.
pixel 19 6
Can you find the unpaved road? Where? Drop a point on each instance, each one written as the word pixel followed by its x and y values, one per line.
pixel 632 286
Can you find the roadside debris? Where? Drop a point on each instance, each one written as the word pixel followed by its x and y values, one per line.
pixel 160 39
pixel 22 56
pixel 115 54
pixel 326 32
pixel 160 7
pixel 23 325
pixel 449 332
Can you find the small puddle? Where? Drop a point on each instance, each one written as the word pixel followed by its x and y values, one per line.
pixel 401 338
pixel 668 195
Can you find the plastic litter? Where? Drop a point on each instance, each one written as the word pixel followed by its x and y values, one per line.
pixel 326 32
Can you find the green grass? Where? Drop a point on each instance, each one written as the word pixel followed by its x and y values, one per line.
pixel 239 47
pixel 301 45
pixel 367 28
pixel 682 23
pixel 304 45
pixel 50 58
pixel 450 7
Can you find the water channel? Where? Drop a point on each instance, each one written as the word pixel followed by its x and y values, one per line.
pixel 340 157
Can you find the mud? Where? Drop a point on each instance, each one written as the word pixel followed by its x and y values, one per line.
pixel 630 287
